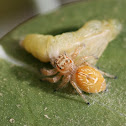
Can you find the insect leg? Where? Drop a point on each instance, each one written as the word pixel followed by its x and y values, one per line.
pixel 53 79
pixel 65 80
pixel 108 75
pixel 50 72
pixel 79 91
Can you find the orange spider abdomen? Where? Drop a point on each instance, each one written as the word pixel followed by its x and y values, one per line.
pixel 90 79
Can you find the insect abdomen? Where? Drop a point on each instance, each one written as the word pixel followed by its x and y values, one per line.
pixel 35 44
pixel 90 80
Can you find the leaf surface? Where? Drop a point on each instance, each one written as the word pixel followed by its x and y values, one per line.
pixel 27 100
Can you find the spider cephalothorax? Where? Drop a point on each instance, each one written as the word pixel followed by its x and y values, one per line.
pixel 83 77
pixel 64 64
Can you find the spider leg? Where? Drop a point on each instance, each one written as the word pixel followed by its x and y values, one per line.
pixel 65 80
pixel 77 51
pixel 50 72
pixel 87 57
pixel 108 75
pixel 79 91
pixel 103 73
pixel 83 60
pixel 53 79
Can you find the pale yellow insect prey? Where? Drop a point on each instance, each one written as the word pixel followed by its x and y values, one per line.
pixel 95 35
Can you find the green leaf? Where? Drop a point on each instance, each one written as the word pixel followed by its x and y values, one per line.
pixel 27 100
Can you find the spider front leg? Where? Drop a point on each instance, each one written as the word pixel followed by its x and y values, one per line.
pixel 87 57
pixel 53 79
pixel 77 51
pixel 65 80
pixel 50 72
pixel 83 60
pixel 79 91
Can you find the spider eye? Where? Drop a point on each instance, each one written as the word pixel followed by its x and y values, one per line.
pixel 60 56
pixel 67 61
pixel 62 65
pixel 60 68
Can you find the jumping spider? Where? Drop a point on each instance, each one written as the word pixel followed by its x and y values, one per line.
pixel 81 75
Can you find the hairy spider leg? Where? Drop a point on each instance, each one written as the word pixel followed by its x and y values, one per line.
pixel 87 57
pixel 102 72
pixel 53 79
pixel 47 72
pixel 77 51
pixel 108 75
pixel 83 60
pixel 65 80
pixel 79 91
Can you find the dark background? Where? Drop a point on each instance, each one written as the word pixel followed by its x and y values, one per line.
pixel 14 12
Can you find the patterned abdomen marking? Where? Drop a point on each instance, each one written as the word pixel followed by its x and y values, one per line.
pixel 90 79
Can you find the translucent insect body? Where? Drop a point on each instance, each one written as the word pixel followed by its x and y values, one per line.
pixel 95 35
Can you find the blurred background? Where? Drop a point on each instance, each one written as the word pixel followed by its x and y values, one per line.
pixel 14 12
